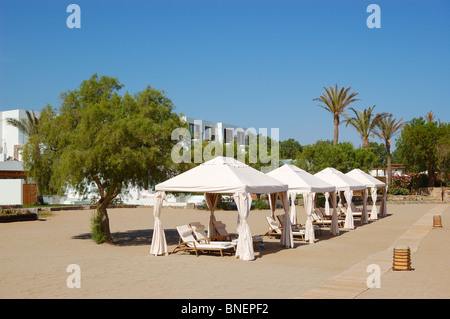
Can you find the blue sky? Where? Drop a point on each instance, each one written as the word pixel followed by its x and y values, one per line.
pixel 250 63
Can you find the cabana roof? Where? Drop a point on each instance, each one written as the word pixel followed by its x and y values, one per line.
pixel 223 175
pixel 300 180
pixel 339 179
pixel 365 178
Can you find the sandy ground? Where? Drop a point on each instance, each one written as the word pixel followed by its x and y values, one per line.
pixel 35 256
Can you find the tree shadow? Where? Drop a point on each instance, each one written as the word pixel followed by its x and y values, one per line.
pixel 138 237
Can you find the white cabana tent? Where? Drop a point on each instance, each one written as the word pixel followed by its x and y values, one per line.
pixel 300 181
pixel 227 175
pixel 373 183
pixel 345 184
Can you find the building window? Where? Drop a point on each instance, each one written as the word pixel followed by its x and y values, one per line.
pixel 209 133
pixel 240 138
pixel 228 135
pixel 195 130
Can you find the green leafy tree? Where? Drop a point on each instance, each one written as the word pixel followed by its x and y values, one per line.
pixel 365 123
pixel 343 156
pixel 379 150
pixel 335 101
pixel 107 142
pixel 290 149
pixel 386 129
pixel 421 146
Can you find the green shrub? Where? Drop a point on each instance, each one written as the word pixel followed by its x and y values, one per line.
pixel 399 191
pixel 97 229
pixel 260 204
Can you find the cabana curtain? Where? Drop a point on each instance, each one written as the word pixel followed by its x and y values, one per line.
pixel 374 212
pixel 244 248
pixel 334 218
pixel 293 213
pixel 349 224
pixel 159 245
pixel 211 200
pixel 327 204
pixel 287 239
pixel 273 203
pixel 308 199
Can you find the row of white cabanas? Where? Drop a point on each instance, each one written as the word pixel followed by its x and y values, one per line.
pixel 224 175
pixel 330 182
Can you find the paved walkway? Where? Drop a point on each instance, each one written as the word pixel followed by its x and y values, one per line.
pixel 353 281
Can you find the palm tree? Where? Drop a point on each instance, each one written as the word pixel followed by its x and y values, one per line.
pixel 28 125
pixel 386 129
pixel 335 101
pixel 364 122
pixel 430 117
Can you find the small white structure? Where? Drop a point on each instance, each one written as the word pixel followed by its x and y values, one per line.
pixel 217 176
pixel 11 192
pixel 11 188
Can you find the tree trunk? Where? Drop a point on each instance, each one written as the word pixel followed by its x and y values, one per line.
pixel 103 215
pixel 336 129
pixel 365 143
pixel 431 175
pixel 388 164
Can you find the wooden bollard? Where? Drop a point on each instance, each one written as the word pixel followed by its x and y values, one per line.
pixel 402 258
pixel 437 222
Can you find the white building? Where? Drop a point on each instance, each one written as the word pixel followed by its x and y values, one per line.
pixel 11 138
pixel 216 131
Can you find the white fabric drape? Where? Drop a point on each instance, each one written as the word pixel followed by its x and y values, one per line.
pixel 327 204
pixel 364 217
pixel 349 224
pixel 308 199
pixel 159 244
pixel 244 249
pixel 334 219
pixel 211 200
pixel 293 212
pixel 374 212
pixel 287 240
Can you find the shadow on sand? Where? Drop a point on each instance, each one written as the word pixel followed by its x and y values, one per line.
pixel 136 237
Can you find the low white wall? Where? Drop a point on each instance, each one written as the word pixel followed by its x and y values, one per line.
pixel 11 192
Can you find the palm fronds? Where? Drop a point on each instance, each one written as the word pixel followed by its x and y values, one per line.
pixel 28 125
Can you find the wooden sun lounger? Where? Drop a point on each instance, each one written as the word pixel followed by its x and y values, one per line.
pixel 299 227
pixel 318 219
pixel 222 231
pixel 200 234
pixel 276 229
pixel 188 243
pixel 343 209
